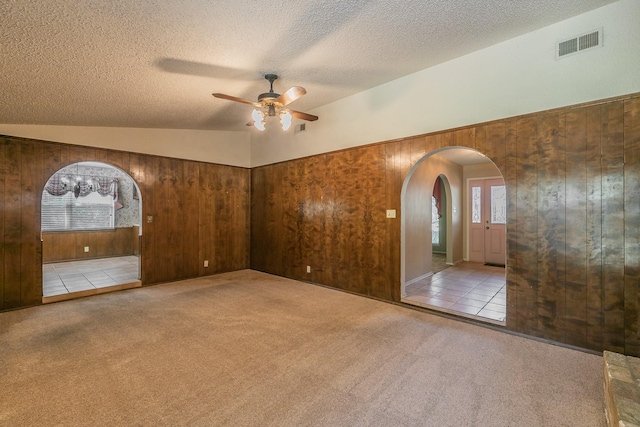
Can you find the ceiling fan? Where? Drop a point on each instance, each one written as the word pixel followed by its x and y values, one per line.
pixel 271 104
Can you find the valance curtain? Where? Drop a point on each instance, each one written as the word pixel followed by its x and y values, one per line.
pixel 61 184
pixel 437 194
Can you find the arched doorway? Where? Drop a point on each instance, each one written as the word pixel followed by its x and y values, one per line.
pixel 441 218
pixel 90 231
pixel 468 289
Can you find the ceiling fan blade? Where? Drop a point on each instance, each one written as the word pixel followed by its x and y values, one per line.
pixel 303 116
pixel 291 95
pixel 233 98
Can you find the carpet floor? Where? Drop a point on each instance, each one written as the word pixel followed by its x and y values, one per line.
pixel 252 349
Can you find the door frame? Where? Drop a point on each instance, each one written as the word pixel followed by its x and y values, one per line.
pixel 467 214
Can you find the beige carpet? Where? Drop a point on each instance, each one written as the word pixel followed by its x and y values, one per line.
pixel 250 349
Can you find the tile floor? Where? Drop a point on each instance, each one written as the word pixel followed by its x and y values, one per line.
pixel 467 289
pixel 77 276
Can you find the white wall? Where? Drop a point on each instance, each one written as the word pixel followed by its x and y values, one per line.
pixel 514 77
pixel 228 148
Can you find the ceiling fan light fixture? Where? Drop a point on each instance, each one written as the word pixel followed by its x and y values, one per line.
pixel 271 104
pixel 285 120
pixel 258 119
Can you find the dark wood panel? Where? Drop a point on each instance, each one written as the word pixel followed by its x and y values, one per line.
pixel 594 285
pixel 316 218
pixel 148 248
pixel 495 147
pixel 550 226
pixel 613 225
pixel 118 159
pixel 12 226
pixel 30 247
pixel 481 139
pixel 350 213
pixel 58 246
pixel 261 220
pixel 101 155
pixel 432 143
pixel 376 224
pixel 69 246
pixel 191 261
pixel 511 182
pixel 52 159
pixel 3 202
pixel 460 138
pixel 418 149
pixel 169 241
pixel 234 240
pixel 90 239
pixel 337 244
pixel 392 231
pixel 632 226
pixel 525 256
pixel 205 216
pixel 80 154
pixel 575 208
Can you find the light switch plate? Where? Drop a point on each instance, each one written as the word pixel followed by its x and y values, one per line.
pixel 391 213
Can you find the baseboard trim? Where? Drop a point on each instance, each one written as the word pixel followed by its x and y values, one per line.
pixel 89 292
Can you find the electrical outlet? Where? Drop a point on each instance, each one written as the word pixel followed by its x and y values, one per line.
pixel 308 269
pixel 206 263
pixel 86 248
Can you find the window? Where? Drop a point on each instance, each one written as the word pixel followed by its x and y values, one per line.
pixel 476 214
pixel 435 222
pixel 79 203
pixel 498 204
pixel 93 212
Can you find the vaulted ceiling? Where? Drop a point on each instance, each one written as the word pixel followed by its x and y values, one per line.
pixel 143 63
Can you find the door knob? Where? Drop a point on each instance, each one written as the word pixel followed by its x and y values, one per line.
pixel 487 227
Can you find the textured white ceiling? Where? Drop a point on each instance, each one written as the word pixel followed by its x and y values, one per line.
pixel 144 63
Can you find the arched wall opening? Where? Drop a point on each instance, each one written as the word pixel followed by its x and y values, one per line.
pixel 445 222
pixel 91 231
pixel 456 166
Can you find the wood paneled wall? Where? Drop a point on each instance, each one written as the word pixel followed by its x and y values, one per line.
pixel 573 231
pixel 198 212
pixel 69 245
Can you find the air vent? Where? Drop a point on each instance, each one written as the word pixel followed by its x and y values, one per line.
pixel 579 43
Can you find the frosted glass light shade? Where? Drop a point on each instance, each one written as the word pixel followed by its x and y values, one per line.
pixel 258 119
pixel 285 120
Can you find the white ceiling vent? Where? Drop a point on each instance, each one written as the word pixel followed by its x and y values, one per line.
pixel 579 43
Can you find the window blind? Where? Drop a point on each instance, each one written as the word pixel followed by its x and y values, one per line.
pixel 93 212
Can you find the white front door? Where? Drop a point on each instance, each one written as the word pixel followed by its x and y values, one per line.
pixel 488 218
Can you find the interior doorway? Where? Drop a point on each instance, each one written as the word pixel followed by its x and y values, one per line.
pixel 441 257
pixel 91 231
pixel 465 288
